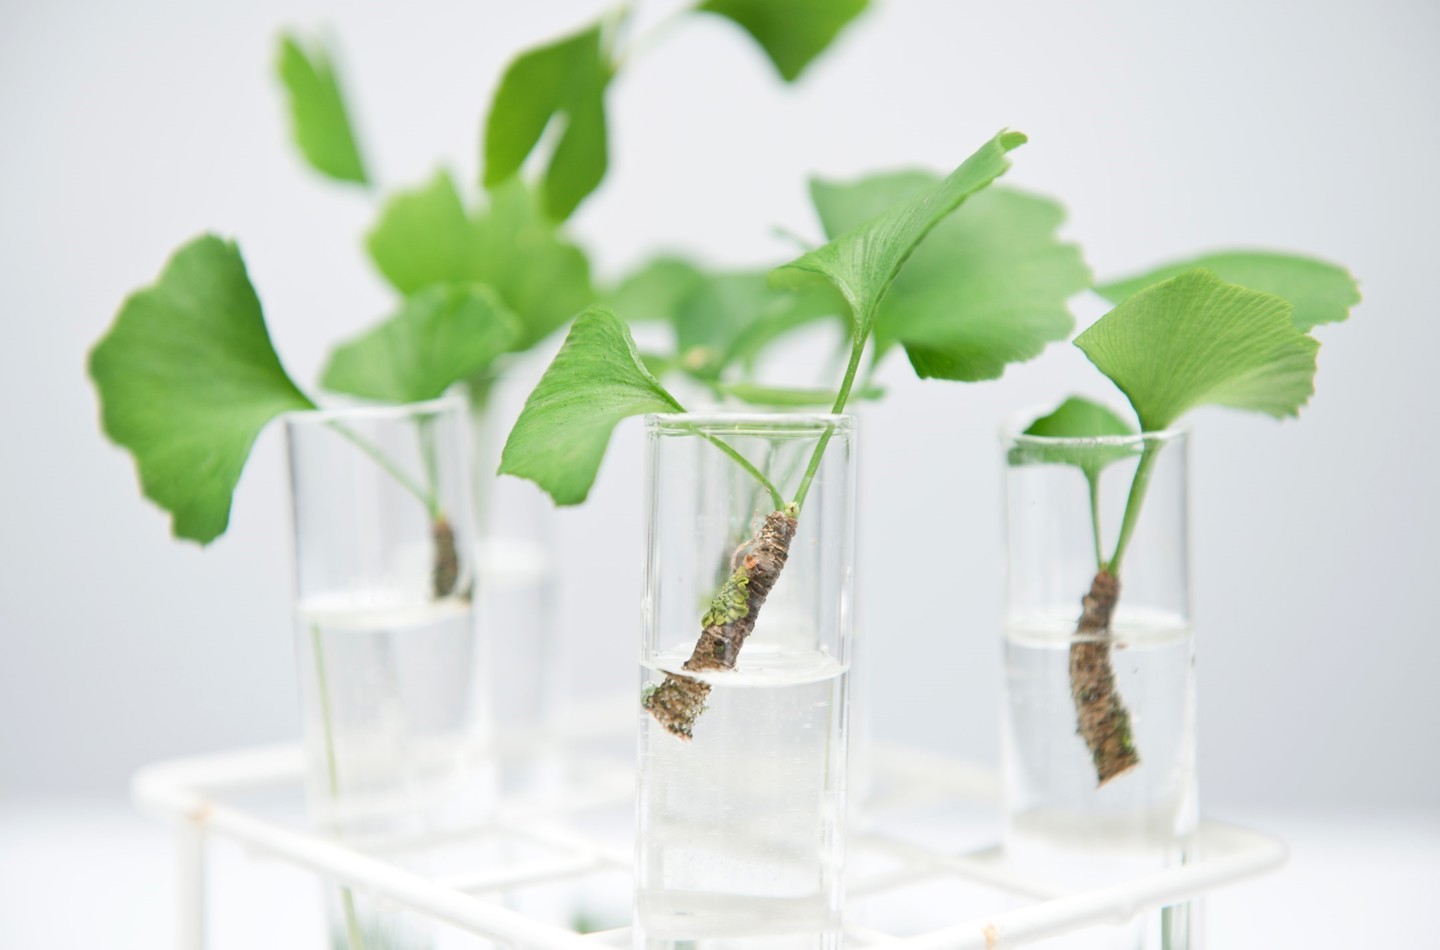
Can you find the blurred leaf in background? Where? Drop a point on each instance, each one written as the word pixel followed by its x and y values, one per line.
pixel 1319 292
pixel 427 237
pixel 565 82
pixel 442 335
pixel 319 120
pixel 987 287
pixel 791 32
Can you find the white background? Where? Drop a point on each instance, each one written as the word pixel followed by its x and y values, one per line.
pixel 127 128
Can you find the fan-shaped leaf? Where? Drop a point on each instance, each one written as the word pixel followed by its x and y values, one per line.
pixel 596 380
pixel 1195 340
pixel 720 318
pixel 1085 434
pixel 1319 291
pixel 864 260
pixel 562 81
pixel 987 287
pixel 318 118
pixel 655 290
pixel 792 32
pixel 425 237
pixel 187 378
pixel 441 335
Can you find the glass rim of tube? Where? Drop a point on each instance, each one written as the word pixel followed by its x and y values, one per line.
pixel 743 423
pixel 1011 433
pixel 378 412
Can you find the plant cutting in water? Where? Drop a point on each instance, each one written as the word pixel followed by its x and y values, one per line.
pixel 187 377
pixel 876 228
pixel 1227 329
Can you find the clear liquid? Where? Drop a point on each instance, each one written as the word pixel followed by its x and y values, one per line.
pixel 740 828
pixel 1059 825
pixel 389 723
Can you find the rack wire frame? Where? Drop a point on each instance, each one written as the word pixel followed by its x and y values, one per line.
pixel 191 794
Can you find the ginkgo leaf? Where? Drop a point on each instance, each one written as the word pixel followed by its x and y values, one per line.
pixel 426 237
pixel 707 320
pixel 564 82
pixel 596 380
pixel 1320 292
pixel 441 335
pixel 783 314
pixel 187 378
pixel 720 318
pixel 987 287
pixel 519 254
pixel 1196 340
pixel 1086 434
pixel 864 260
pixel 318 117
pixel 655 290
pixel 791 32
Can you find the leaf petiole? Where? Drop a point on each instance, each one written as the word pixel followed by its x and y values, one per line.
pixel 745 463
pixel 425 496
pixel 1093 478
pixel 857 352
pixel 1133 503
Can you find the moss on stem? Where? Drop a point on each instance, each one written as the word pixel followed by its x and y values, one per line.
pixel 678 701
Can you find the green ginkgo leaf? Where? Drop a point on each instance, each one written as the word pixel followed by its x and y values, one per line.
pixel 1319 292
pixel 791 32
pixel 187 378
pixel 986 288
pixel 426 237
pixel 318 117
pixel 563 82
pixel 1086 434
pixel 441 335
pixel 655 290
pixel 785 313
pixel 720 318
pixel 863 261
pixel 596 380
pixel 542 277
pixel 1196 340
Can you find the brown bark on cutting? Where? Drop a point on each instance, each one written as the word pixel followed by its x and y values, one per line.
pixel 679 700
pixel 446 572
pixel 1101 717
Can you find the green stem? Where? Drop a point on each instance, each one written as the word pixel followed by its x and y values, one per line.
pixel 857 351
pixel 426 498
pixel 644 42
pixel 1133 503
pixel 332 772
pixel 426 431
pixel 744 463
pixel 1094 479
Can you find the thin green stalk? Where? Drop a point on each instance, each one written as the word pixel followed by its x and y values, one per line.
pixel 643 43
pixel 426 498
pixel 857 351
pixel 744 463
pixel 1133 503
pixel 425 429
pixel 332 772
pixel 1094 479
